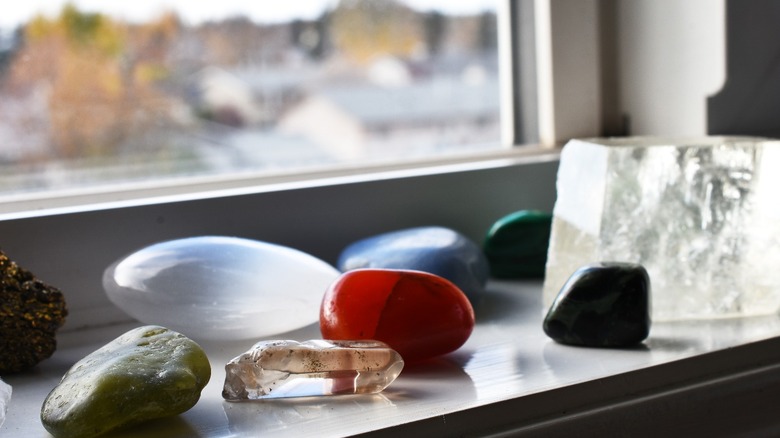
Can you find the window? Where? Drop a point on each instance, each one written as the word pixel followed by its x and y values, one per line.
pixel 96 93
pixel 71 247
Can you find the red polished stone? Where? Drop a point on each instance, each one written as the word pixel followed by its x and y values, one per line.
pixel 420 315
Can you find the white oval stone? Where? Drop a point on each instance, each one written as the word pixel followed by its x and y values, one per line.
pixel 213 287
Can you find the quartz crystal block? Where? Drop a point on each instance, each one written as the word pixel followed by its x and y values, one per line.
pixel 272 369
pixel 701 216
pixel 5 399
pixel 149 372
pixel 436 250
pixel 602 305
pixel 220 287
pixel 418 314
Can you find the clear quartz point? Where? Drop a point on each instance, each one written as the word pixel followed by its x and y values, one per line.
pixel 275 369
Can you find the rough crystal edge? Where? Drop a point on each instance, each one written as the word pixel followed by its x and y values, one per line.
pixel 653 141
pixel 5 399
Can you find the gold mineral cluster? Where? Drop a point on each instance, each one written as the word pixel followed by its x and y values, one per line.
pixel 30 314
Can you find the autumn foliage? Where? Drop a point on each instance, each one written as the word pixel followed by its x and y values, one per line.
pixel 99 76
pixel 86 86
pixel 363 30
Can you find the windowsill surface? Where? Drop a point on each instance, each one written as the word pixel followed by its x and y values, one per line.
pixel 507 359
pixel 24 205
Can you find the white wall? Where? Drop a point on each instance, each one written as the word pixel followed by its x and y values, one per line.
pixel 670 56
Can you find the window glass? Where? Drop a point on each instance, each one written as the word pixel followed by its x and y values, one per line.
pixel 96 92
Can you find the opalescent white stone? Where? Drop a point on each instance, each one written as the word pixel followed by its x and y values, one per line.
pixel 702 217
pixel 5 400
pixel 213 287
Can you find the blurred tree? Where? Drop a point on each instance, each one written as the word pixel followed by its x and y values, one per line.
pixel 488 31
pixel 99 77
pixel 311 36
pixel 366 29
pixel 435 28
pixel 239 42
pixel 8 48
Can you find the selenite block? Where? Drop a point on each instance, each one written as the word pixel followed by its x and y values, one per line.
pixel 701 215
pixel 220 288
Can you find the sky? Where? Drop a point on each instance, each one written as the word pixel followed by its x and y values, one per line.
pixel 17 12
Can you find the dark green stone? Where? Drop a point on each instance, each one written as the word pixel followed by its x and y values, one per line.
pixel 602 305
pixel 516 245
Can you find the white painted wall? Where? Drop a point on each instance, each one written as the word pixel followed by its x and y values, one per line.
pixel 670 58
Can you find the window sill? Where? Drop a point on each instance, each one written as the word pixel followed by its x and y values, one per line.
pixel 717 376
pixel 33 204
pixel 697 377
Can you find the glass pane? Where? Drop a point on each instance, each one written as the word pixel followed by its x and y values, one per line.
pixel 96 92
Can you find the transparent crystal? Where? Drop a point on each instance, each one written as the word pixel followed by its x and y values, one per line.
pixel 700 215
pixel 5 400
pixel 272 369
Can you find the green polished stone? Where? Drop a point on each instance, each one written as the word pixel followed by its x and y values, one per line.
pixel 149 372
pixel 602 305
pixel 516 245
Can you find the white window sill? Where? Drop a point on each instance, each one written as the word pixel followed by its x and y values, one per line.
pixel 696 377
pixel 24 205
pixel 509 378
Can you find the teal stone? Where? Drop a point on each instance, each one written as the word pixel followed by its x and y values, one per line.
pixel 516 245
pixel 602 305
pixel 147 373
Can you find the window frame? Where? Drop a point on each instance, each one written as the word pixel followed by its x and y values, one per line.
pixel 318 213
pixel 533 83
pixel 69 237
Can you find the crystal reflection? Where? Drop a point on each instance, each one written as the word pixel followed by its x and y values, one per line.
pixel 247 419
pixel 573 364
pixel 432 381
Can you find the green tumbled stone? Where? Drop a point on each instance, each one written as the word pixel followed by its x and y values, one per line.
pixel 602 305
pixel 149 372
pixel 516 245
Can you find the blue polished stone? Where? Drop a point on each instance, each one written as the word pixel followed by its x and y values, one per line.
pixel 437 250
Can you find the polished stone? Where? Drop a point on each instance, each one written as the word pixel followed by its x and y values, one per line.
pixel 516 245
pixel 602 305
pixel 31 312
pixel 436 250
pixel 420 315
pixel 274 369
pixel 701 215
pixel 149 372
pixel 214 287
